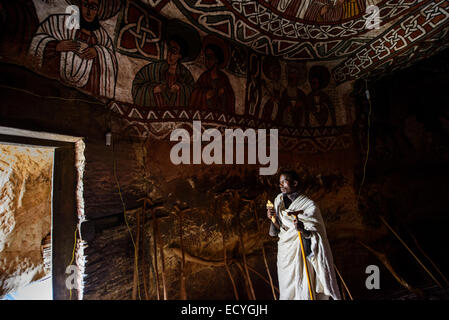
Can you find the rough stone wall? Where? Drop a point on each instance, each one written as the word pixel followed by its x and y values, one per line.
pixel 25 214
pixel 143 169
pixel 406 173
pixel 208 192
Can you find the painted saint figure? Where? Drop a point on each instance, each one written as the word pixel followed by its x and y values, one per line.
pixel 320 110
pixel 293 99
pixel 213 90
pixel 83 58
pixel 352 8
pixel 166 83
pixel 271 90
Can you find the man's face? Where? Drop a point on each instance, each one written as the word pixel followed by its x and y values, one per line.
pixel 89 9
pixel 174 53
pixel 211 60
pixel 287 186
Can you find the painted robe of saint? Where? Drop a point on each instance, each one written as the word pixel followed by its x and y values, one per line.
pixel 83 58
pixel 320 111
pixel 167 83
pixel 213 90
pixel 272 89
pixel 293 99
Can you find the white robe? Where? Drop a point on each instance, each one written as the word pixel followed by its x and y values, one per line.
pixel 73 69
pixel 291 272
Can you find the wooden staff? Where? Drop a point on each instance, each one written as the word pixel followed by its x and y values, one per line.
pixel 161 251
pixel 304 257
pixel 144 266
pixel 158 295
pixel 242 245
pixel 253 206
pixel 305 265
pixel 136 284
pixel 183 292
pixel 225 256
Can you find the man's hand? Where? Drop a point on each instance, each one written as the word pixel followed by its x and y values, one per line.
pixel 271 213
pixel 175 88
pixel 299 225
pixel 89 53
pixel 67 45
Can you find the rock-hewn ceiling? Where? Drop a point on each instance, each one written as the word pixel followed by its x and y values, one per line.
pixel 343 32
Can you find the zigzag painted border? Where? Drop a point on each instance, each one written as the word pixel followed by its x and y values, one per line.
pixel 158 124
pixel 146 115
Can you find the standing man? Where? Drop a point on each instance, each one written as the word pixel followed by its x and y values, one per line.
pixel 295 212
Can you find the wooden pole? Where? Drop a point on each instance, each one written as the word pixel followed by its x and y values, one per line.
pixel 136 289
pixel 262 277
pixel 242 245
pixel 343 282
pixel 161 251
pixel 156 268
pixel 225 256
pixel 245 278
pixel 253 205
pixel 430 260
pixel 144 267
pixel 383 258
pixel 183 293
pixel 411 252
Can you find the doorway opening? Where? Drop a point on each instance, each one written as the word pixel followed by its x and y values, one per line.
pixel 26 174
pixel 40 212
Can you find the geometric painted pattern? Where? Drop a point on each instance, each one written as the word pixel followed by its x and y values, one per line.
pixel 408 32
pixel 138 34
pixel 159 123
pixel 414 37
pixel 265 30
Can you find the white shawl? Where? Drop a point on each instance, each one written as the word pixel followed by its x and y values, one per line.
pixel 291 272
pixel 74 70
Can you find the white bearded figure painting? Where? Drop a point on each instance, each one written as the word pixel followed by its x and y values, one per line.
pixel 83 58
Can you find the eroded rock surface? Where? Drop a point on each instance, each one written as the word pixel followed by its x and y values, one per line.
pixel 25 214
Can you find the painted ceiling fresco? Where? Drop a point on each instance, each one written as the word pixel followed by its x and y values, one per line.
pixel 328 30
pixel 287 64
